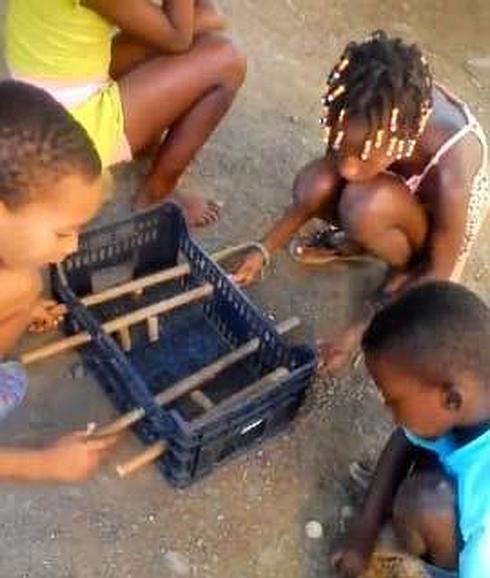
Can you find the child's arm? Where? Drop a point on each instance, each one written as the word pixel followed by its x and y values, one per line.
pixel 448 207
pixel 73 458
pixel 313 188
pixel 19 293
pixel 169 28
pixel 352 553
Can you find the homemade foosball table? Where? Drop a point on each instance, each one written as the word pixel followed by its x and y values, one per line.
pixel 193 365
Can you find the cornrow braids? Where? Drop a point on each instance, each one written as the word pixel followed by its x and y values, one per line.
pixel 40 143
pixel 372 77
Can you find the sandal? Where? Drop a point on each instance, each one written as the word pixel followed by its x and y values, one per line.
pixel 321 247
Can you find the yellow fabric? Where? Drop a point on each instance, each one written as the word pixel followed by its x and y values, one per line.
pixel 102 117
pixel 63 42
pixel 57 39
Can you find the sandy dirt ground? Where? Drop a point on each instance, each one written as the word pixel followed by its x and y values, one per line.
pixel 246 520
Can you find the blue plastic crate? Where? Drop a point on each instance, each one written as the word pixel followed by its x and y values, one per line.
pixel 190 338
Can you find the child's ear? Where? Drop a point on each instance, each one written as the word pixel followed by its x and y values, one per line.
pixel 451 397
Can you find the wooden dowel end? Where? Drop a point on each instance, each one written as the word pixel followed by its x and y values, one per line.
pixel 146 457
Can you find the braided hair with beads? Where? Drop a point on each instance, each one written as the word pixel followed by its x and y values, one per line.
pixel 385 82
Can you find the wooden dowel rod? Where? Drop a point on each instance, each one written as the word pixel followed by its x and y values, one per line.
pixel 119 322
pixel 156 450
pixel 276 376
pixel 125 338
pixel 144 458
pixel 152 329
pixel 202 400
pixel 155 278
pixel 195 380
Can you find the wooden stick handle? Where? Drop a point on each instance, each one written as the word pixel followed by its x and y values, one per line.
pixel 194 381
pixel 156 450
pixel 119 322
pixel 151 453
pixel 137 285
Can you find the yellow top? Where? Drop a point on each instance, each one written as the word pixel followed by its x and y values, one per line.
pixel 58 40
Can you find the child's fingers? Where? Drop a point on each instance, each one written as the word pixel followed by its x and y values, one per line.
pixel 103 444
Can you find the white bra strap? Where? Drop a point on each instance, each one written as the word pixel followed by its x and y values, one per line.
pixel 444 149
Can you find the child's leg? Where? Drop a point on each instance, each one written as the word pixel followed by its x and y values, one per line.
pixel 424 517
pixel 383 219
pixel 19 295
pixel 378 217
pixel 188 94
pixel 127 53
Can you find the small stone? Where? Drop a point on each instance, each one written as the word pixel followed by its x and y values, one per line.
pixel 77 371
pixel 314 530
pixel 177 563
pixel 346 512
pixel 482 62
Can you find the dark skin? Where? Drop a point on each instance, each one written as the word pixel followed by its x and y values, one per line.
pixel 178 75
pixel 419 237
pixel 427 411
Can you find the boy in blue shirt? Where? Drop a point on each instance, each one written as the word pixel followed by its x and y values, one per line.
pixel 429 354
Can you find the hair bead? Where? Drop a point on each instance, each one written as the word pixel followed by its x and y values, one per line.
pixel 394 119
pixel 339 91
pixel 366 151
pixel 338 140
pixel 391 146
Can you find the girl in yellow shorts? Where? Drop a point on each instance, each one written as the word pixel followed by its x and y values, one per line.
pixel 168 70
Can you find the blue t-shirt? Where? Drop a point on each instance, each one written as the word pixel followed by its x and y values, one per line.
pixel 469 466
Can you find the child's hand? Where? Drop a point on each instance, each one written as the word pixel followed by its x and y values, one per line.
pixel 47 315
pixel 75 457
pixel 350 555
pixel 251 268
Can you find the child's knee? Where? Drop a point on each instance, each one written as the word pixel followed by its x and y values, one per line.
pixel 316 189
pixel 229 59
pixel 365 201
pixel 424 512
pixel 235 63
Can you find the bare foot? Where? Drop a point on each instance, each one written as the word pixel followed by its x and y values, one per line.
pixel 322 245
pixel 336 354
pixel 198 211
pixel 307 255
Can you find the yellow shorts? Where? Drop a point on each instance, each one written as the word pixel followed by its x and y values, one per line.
pixel 102 117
